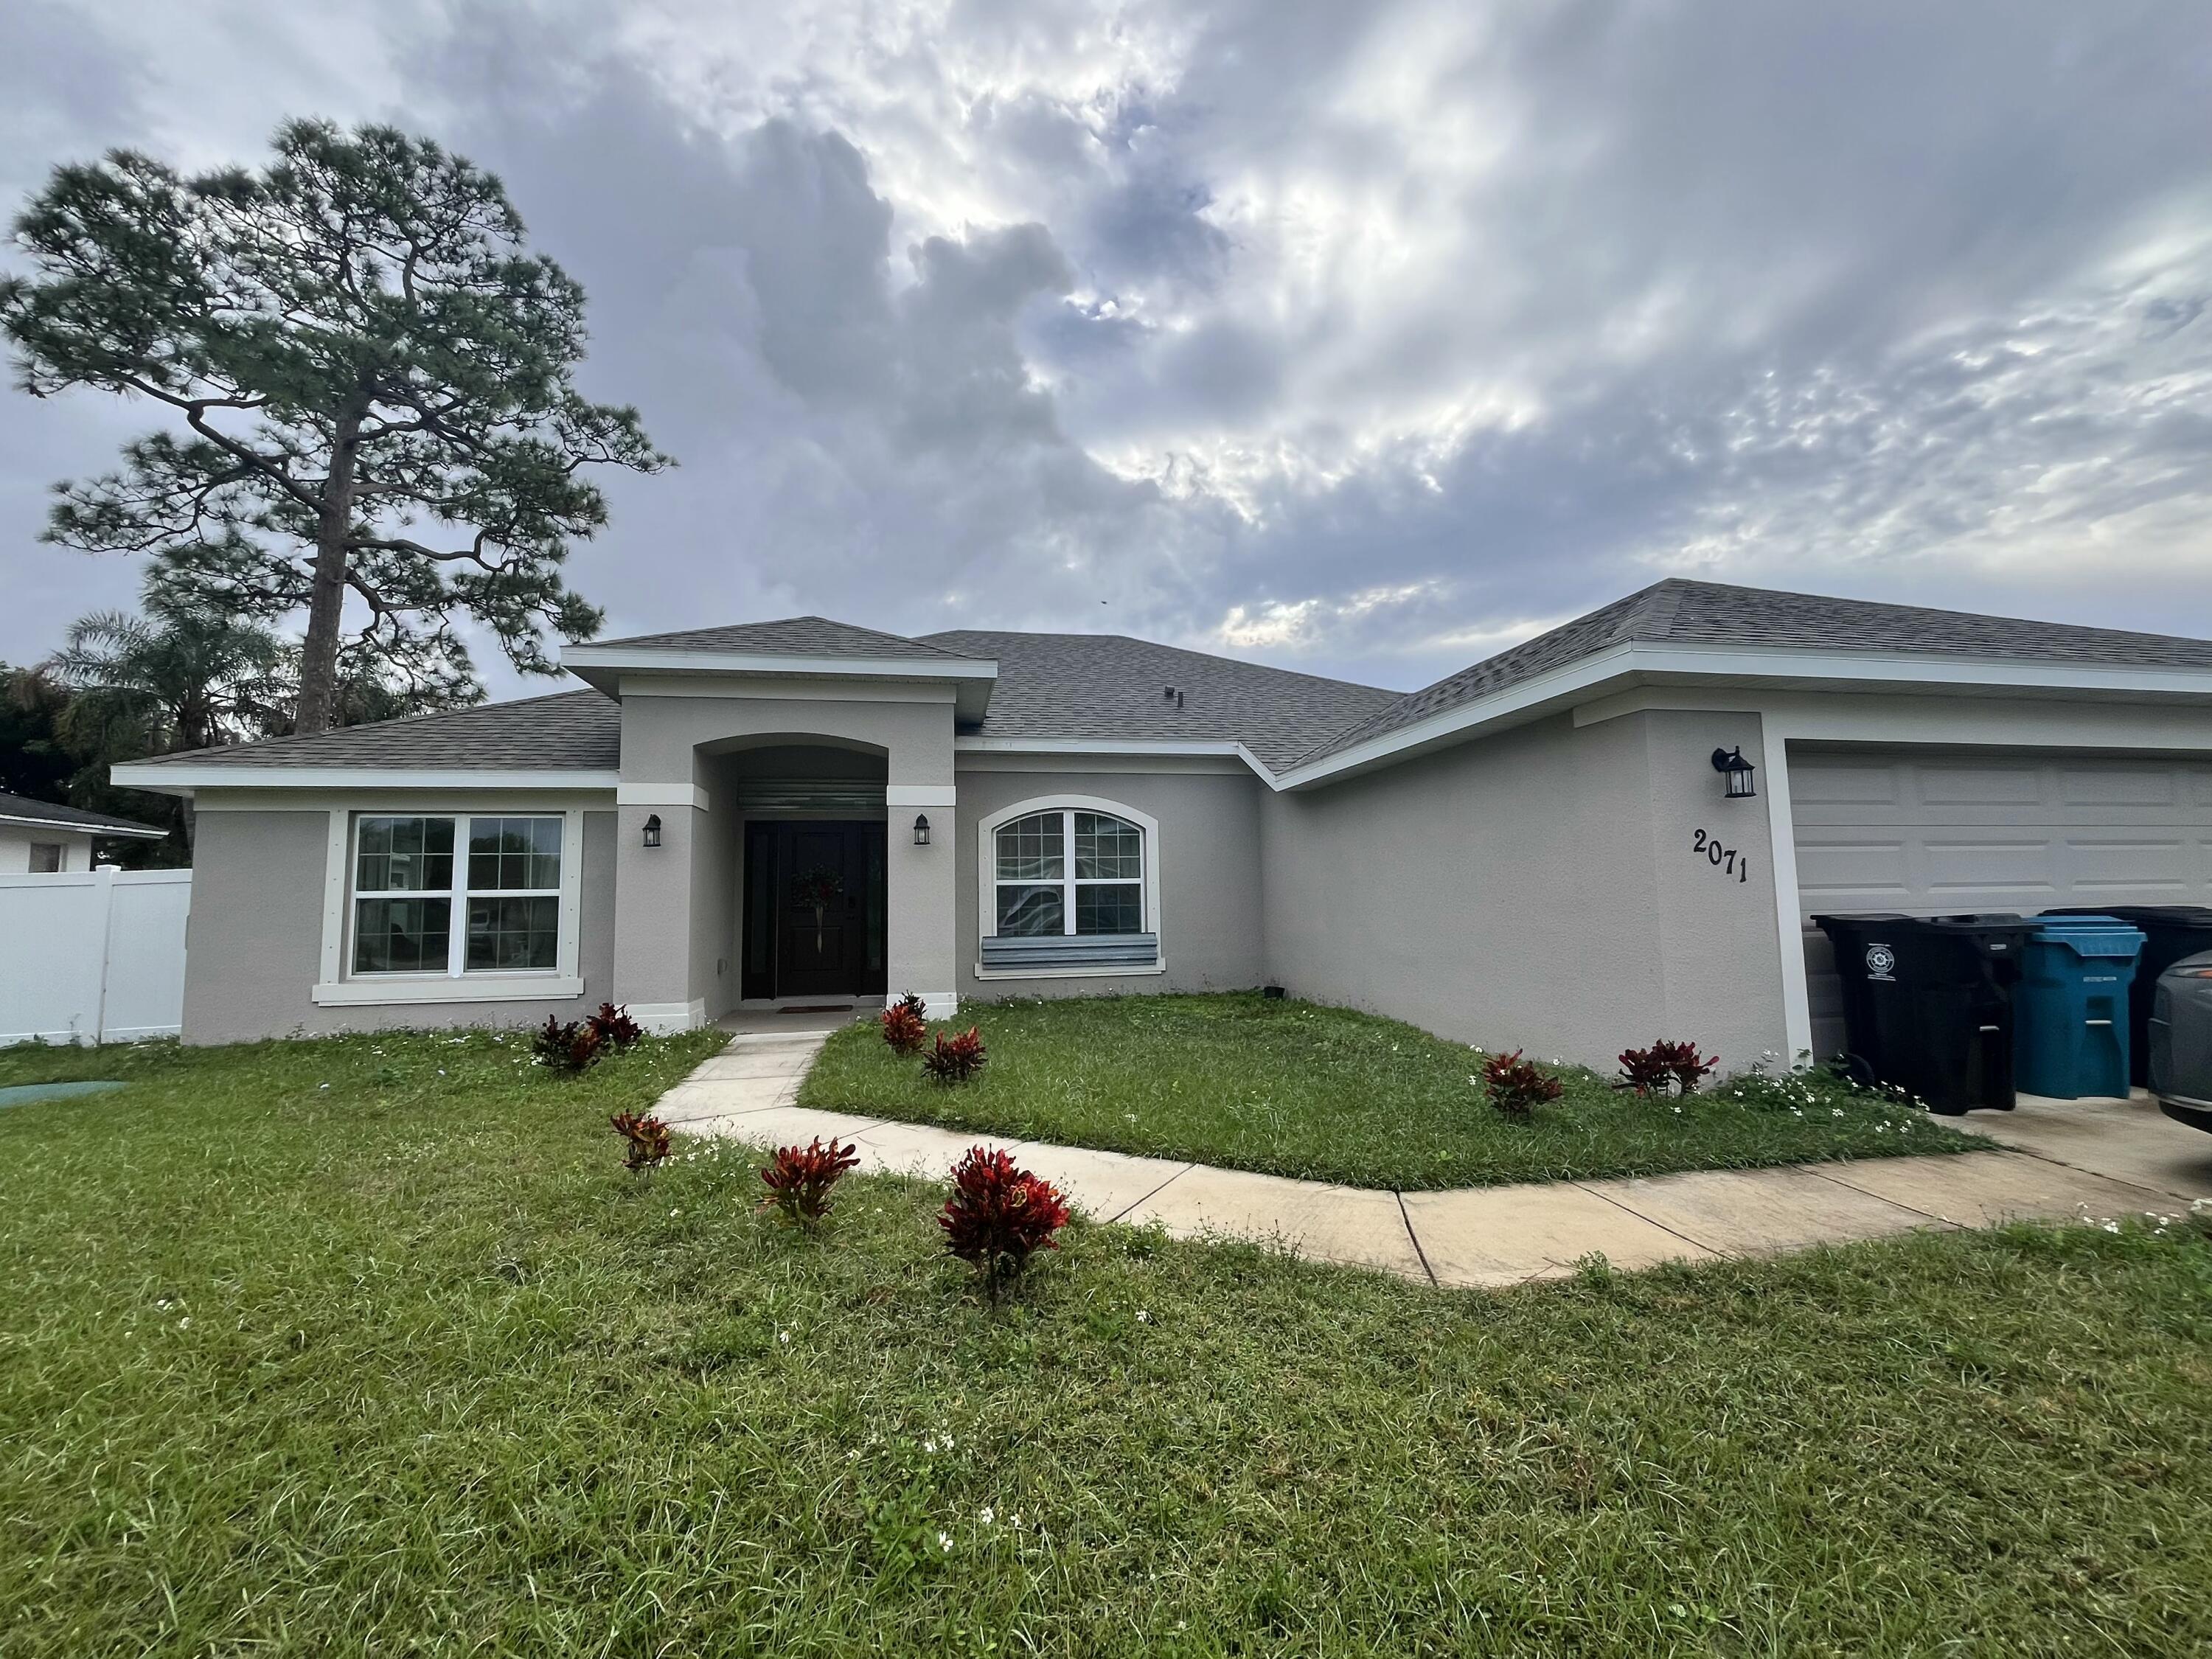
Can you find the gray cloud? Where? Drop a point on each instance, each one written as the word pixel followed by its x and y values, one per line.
pixel 1364 338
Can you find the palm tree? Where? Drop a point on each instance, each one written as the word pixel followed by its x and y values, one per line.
pixel 182 675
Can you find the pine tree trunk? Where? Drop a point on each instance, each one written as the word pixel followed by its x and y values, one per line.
pixel 319 652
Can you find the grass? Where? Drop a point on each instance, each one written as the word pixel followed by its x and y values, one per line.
pixel 369 1345
pixel 1298 1089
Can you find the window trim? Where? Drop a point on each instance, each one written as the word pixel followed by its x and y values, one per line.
pixel 339 985
pixel 987 889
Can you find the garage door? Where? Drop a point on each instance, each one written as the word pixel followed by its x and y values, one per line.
pixel 1933 832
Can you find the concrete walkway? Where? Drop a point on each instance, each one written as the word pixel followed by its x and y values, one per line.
pixel 1479 1236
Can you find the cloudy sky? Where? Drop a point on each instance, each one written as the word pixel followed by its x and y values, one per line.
pixel 1359 338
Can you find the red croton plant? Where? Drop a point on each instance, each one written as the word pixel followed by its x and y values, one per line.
pixel 576 1045
pixel 647 1138
pixel 999 1215
pixel 1651 1071
pixel 1517 1087
pixel 798 1179
pixel 903 1026
pixel 954 1060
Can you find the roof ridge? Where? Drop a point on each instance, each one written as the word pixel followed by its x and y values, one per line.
pixel 1665 597
pixel 836 624
pixel 1162 645
pixel 878 633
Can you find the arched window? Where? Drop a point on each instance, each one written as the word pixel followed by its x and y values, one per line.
pixel 1069 886
pixel 1044 889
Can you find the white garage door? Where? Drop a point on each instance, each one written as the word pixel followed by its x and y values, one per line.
pixel 1938 832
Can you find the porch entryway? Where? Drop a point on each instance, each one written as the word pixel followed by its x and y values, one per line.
pixel 814 910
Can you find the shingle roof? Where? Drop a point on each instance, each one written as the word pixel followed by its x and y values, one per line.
pixel 1681 612
pixel 569 731
pixel 792 636
pixel 1110 686
pixel 21 809
pixel 1078 686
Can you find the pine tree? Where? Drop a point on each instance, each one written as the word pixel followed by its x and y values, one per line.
pixel 373 382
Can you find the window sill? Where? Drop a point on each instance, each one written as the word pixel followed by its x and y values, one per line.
pixel 476 987
pixel 1085 971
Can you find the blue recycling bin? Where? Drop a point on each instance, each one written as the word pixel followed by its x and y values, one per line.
pixel 2070 1007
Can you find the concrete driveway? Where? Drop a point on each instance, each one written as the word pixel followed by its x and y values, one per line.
pixel 2129 1140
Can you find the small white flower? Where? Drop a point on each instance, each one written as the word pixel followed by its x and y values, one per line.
pixel 929 1447
pixel 185 1324
pixel 944 1542
pixel 1142 1317
pixel 783 1336
pixel 1018 1517
pixel 984 1514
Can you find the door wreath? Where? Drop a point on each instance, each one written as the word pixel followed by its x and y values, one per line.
pixel 818 888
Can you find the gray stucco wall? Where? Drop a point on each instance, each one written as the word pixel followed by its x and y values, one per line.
pixel 1539 890
pixel 677 902
pixel 254 942
pixel 1208 857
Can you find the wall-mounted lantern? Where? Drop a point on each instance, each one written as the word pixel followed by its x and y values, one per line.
pixel 1738 771
pixel 652 830
pixel 921 830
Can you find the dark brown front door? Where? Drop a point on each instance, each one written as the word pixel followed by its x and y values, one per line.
pixel 814 910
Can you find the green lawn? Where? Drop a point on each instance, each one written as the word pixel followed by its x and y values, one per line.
pixel 1299 1089
pixel 370 1346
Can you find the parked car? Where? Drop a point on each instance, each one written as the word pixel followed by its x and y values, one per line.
pixel 2181 1042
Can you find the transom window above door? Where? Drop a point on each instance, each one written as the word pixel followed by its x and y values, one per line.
pixel 414 875
pixel 1070 887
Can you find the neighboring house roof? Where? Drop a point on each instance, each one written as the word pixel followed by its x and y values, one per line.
pixel 1677 611
pixel 569 731
pixel 1108 686
pixel 45 815
pixel 792 636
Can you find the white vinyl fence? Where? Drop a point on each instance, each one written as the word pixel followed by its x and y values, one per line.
pixel 94 955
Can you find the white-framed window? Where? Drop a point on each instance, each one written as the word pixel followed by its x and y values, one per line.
pixel 49 858
pixel 456 894
pixel 1068 885
pixel 1069 872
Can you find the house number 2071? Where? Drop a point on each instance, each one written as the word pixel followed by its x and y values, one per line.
pixel 1726 859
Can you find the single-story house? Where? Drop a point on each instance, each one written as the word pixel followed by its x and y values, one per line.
pixel 37 837
pixel 1615 831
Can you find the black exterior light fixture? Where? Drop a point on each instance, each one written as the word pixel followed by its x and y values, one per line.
pixel 1739 772
pixel 652 830
pixel 921 828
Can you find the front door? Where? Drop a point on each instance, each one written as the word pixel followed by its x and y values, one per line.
pixel 814 910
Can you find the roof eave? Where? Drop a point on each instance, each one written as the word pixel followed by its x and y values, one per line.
pixel 1767 667
pixel 603 667
pixel 131 831
pixel 184 778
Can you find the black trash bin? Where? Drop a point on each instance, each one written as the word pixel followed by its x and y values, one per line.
pixel 1928 1003
pixel 2170 932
